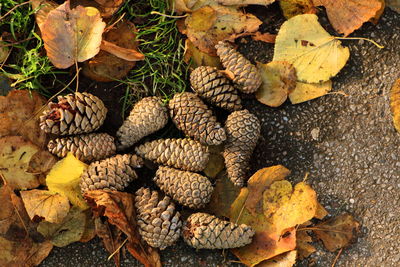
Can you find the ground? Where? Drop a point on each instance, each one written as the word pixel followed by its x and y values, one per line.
pixel 345 140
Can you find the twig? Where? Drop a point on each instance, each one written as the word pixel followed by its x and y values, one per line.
pixel 337 257
pixel 6 44
pixel 117 250
pixel 168 16
pixel 306 177
pixel 12 9
pixel 115 22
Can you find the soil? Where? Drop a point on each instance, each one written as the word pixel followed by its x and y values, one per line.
pixel 345 140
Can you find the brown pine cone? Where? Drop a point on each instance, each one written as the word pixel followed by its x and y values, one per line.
pixel 184 154
pixel 246 74
pixel 195 119
pixel 202 230
pixel 189 189
pixel 113 173
pixel 85 147
pixel 243 130
pixel 159 223
pixel 214 87
pixel 74 114
pixel 147 116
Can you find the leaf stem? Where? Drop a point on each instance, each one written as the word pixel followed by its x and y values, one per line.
pixel 168 16
pixel 116 251
pixel 360 38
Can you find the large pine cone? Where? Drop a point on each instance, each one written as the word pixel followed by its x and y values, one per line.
pixel 159 223
pixel 114 173
pixel 85 147
pixel 202 230
pixel 184 154
pixel 189 189
pixel 195 119
pixel 214 87
pixel 74 114
pixel 147 116
pixel 243 130
pixel 246 74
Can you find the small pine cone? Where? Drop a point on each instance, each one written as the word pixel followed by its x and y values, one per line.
pixel 195 119
pixel 243 130
pixel 85 147
pixel 184 154
pixel 189 189
pixel 246 74
pixel 147 116
pixel 202 230
pixel 74 114
pixel 113 173
pixel 159 223
pixel 213 86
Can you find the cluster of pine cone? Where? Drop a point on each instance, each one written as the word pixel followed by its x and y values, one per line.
pixel 78 115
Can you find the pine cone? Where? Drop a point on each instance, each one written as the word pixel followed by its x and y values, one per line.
pixel 243 130
pixel 202 230
pixel 85 147
pixel 194 118
pixel 74 114
pixel 185 154
pixel 147 116
pixel 189 189
pixel 113 173
pixel 246 74
pixel 159 223
pixel 213 86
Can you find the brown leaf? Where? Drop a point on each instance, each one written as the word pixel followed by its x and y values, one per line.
pixel 321 212
pixel 287 259
pixel 72 35
pixel 90 229
pixel 215 163
pixel 303 246
pixel 337 232
pixel 123 53
pixel 196 58
pixel 265 37
pixel 111 237
pixel 43 8
pixel 245 2
pixel 43 204
pixel 119 209
pixel 347 16
pixel 107 8
pixel 379 13
pixel 395 104
pixel 293 8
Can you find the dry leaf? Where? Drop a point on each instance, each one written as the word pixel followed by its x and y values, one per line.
pixel 106 67
pixel 90 229
pixel 107 8
pixel 291 8
pixel 316 55
pixel 112 238
pixel 208 25
pixel 3 52
pixel 337 232
pixel 265 37
pixel 395 104
pixel 72 35
pixel 245 2
pixel 119 209
pixel 17 115
pixel 64 178
pixel 347 16
pixel 308 91
pixel 196 58
pixel 287 259
pixel 278 80
pixel 394 4
pixel 42 9
pixel 321 212
pixel 378 14
pixel 303 246
pixel 42 204
pixel 216 162
pixel 121 52
pixel 41 162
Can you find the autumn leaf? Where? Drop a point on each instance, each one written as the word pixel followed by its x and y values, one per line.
pixel 72 35
pixel 308 91
pixel 265 37
pixel 337 232
pixel 316 55
pixel 287 259
pixel 291 8
pixel 303 246
pixel 42 204
pixel 394 4
pixel 119 209
pixel 107 8
pixel 395 104
pixel 196 58
pixel 112 238
pixel 278 80
pixel 245 2
pixel 3 51
pixel 216 161
pixel 321 212
pixel 347 16
pixel 42 9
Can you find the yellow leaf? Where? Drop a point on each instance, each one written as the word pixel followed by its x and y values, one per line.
pixel 291 8
pixel 395 104
pixel 197 58
pixel 287 259
pixel 308 91
pixel 278 80
pixel 64 178
pixel 316 55
pixel 52 207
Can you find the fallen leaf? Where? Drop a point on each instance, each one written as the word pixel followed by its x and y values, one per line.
pixel 111 237
pixel 42 9
pixel 278 80
pixel 303 246
pixel 215 163
pixel 378 14
pixel 265 37
pixel 291 8
pixel 90 229
pixel 287 259
pixel 196 58
pixel 321 212
pixel 208 25
pixel 70 230
pixel 180 6
pixel 245 2
pixel 119 209
pixel 337 232
pixel 107 8
pixel 316 55
pixel 42 204
pixel 3 52
pixel 18 112
pixel 15 155
pixel 308 91
pixel 395 104
pixel 41 162
pixel 72 35
pixel 106 67
pixel 347 16
pixel 121 52
pixel 64 178
pixel 394 4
